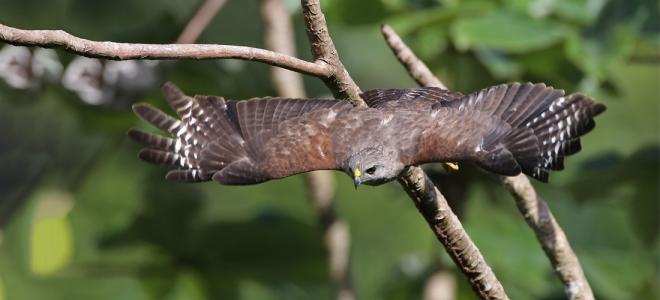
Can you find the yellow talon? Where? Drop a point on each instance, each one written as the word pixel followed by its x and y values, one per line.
pixel 453 166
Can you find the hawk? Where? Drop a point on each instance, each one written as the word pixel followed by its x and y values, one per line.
pixel 506 129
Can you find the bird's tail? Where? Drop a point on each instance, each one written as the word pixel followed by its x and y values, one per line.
pixel 545 125
pixel 204 141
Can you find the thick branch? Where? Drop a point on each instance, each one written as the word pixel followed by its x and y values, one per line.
pixel 125 51
pixel 427 198
pixel 448 229
pixel 340 83
pixel 204 15
pixel 533 208
pixel 279 37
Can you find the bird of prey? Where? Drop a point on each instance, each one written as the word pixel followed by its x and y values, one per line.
pixel 506 129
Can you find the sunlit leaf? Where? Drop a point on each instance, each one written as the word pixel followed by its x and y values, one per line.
pixel 51 246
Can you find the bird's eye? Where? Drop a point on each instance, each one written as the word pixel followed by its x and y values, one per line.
pixel 371 170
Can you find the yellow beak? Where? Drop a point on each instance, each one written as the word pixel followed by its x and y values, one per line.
pixel 357 178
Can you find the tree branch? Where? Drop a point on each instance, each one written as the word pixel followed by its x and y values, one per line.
pixel 551 237
pixel 448 229
pixel 202 18
pixel 279 37
pixel 417 69
pixel 429 201
pixel 126 51
pixel 533 208
pixel 323 48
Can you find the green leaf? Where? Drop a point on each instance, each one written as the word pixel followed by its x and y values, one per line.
pixel 582 11
pixel 508 245
pixel 430 42
pixel 506 32
pixel 533 8
pixel 596 55
pixel 2 289
pixel 51 243
pixel 187 287
pixel 406 23
pixel 500 65
pixel 355 12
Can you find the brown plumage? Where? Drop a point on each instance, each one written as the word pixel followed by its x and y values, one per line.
pixel 506 129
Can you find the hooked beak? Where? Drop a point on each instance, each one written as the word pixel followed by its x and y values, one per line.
pixel 357 181
pixel 357 178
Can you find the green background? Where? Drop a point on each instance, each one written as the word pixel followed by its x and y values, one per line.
pixel 93 222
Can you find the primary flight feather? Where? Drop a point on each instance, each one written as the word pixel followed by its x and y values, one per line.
pixel 506 129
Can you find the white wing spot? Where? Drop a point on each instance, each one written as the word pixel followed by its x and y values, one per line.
pixel 320 150
pixel 331 115
pixel 181 131
pixel 479 147
pixel 175 125
pixel 387 119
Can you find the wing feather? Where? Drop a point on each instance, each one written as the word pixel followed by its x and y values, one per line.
pixel 230 142
pixel 411 99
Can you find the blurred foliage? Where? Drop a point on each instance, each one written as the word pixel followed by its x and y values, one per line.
pixel 84 219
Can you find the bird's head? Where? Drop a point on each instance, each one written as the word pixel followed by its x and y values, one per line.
pixel 374 166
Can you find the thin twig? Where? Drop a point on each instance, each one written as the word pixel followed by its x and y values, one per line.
pixel 429 201
pixel 551 237
pixel 533 208
pixel 279 37
pixel 202 18
pixel 126 51
pixel 418 70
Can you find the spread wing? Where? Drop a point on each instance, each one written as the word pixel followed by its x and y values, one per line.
pixel 509 128
pixel 420 99
pixel 232 142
